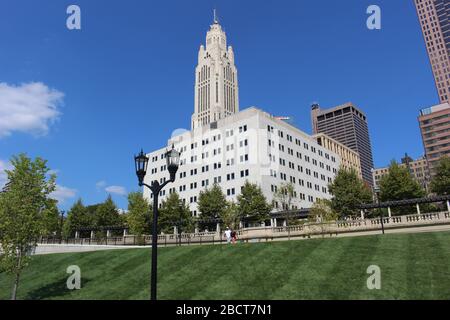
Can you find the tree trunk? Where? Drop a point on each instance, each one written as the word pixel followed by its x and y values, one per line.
pixel 15 286
pixel 16 280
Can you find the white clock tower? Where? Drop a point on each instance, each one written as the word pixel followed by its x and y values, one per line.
pixel 216 82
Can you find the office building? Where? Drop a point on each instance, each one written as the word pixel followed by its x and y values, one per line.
pixel 348 125
pixel 434 20
pixel 435 129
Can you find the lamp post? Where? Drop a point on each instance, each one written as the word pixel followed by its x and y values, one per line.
pixel 61 225
pixel 377 193
pixel 141 163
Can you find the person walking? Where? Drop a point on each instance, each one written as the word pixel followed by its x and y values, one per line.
pixel 233 237
pixel 228 235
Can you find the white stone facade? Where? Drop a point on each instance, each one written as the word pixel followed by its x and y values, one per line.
pixel 250 145
pixel 216 82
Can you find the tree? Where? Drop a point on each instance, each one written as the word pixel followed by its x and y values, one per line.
pixel 320 214
pixel 440 184
pixel 230 216
pixel 77 218
pixel 174 212
pixel 349 192
pixel 106 215
pixel 285 193
pixel 399 184
pixel 51 219
pixel 21 213
pixel 139 214
pixel 252 204
pixel 211 204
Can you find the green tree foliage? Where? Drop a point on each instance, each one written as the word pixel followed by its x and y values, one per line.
pixel 320 215
pixel 139 214
pixel 349 192
pixel 285 194
pixel 252 204
pixel 230 216
pixel 174 212
pixel 211 204
pixel 77 218
pixel 399 184
pixel 440 184
pixel 107 215
pixel 22 208
pixel 51 219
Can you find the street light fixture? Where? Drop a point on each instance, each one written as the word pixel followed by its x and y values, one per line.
pixel 141 163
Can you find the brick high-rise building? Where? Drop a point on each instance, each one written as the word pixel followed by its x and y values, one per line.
pixel 434 20
pixel 435 128
pixel 418 169
pixel 348 125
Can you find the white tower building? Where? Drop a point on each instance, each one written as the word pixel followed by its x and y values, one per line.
pixel 228 147
pixel 216 83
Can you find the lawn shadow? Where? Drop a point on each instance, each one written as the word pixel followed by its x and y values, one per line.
pixel 56 290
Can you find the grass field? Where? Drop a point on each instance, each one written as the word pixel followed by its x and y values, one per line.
pixel 413 266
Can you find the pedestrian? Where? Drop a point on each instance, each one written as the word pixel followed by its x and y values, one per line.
pixel 228 235
pixel 233 237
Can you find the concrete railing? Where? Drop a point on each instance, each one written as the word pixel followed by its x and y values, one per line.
pixel 270 233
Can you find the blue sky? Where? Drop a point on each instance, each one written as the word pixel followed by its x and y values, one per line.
pixel 125 80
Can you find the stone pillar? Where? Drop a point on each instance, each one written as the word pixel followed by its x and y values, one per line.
pixel 92 234
pixel 240 225
pixel 125 232
pixel 284 223
pixel 196 229
pixel 271 222
pixel 77 234
pixel 108 233
pixel 448 205
pixel 362 214
pixel 175 231
pixel 418 208
pixel 389 212
pixel 274 222
pixel 218 228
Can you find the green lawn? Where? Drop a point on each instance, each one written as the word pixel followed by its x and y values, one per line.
pixel 413 266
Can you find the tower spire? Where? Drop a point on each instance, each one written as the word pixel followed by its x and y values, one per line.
pixel 215 17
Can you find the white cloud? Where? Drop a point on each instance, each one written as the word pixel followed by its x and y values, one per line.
pixel 4 165
pixel 121 191
pixel 30 108
pixel 100 185
pixel 61 194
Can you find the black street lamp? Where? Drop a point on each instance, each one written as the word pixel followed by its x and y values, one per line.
pixel 377 193
pixel 61 225
pixel 141 162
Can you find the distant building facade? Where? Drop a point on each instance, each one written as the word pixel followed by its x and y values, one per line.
pixel 435 129
pixel 253 146
pixel 434 20
pixel 418 169
pixel 348 125
pixel 349 158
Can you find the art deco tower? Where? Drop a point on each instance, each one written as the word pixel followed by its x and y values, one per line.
pixel 216 82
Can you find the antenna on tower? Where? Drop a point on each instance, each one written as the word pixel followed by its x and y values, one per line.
pixel 215 17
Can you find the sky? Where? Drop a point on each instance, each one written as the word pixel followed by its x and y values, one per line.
pixel 87 100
